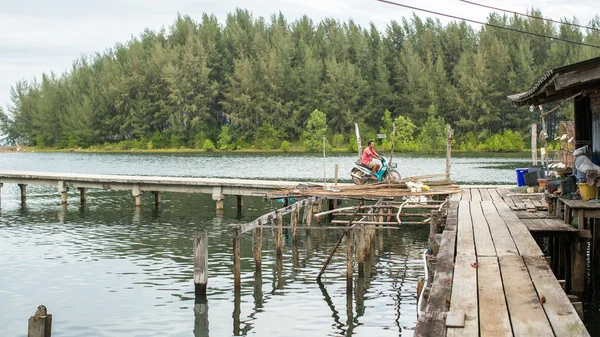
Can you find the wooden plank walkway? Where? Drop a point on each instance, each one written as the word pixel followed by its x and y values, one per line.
pixel 500 283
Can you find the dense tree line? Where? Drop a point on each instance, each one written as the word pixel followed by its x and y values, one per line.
pixel 267 84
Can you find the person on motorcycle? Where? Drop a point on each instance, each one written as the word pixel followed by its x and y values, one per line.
pixel 367 158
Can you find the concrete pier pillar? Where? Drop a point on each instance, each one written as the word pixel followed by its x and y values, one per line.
pixel 218 196
pixel 137 193
pixel 82 195
pixel 23 188
pixel 62 188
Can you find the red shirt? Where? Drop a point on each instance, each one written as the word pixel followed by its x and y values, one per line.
pixel 367 156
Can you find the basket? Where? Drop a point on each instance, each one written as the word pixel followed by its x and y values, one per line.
pixel 587 192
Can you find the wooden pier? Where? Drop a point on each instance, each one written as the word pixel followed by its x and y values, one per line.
pixel 138 185
pixel 491 277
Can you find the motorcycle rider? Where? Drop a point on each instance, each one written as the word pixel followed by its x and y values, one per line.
pixel 367 158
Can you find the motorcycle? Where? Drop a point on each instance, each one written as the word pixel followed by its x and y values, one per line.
pixel 361 174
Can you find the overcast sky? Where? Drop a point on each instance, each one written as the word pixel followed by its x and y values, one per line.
pixel 38 36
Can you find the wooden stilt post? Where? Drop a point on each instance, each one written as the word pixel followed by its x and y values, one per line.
pixel 595 260
pixel 237 280
pixel 335 175
pixel 534 144
pixel 450 134
pixel 218 196
pixel 258 247
pixel 157 198
pixel 240 203
pixel 82 195
pixel 237 310
pixel 360 251
pixel 1 194
pixel 279 234
pixel 23 188
pixel 317 208
pixel 578 262
pixel 201 263
pixel 40 324
pixel 295 217
pixel 308 210
pixel 349 260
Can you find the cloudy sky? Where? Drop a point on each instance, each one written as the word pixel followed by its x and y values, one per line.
pixel 38 36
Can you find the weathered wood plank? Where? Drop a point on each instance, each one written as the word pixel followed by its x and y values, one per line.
pixel 526 313
pixel 485 195
pixel 559 310
pixel 521 236
pixel 475 195
pixel 465 194
pixel 464 296
pixel 465 245
pixel 503 241
pixel 493 313
pixel 531 224
pixel 494 194
pixel 484 246
pixel 431 324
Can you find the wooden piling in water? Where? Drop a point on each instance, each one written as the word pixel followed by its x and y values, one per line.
pixel 278 240
pixel 349 261
pixel 237 280
pixel 40 324
pixel 23 188
pixel 295 216
pixel 137 194
pixel 201 263
pixel 82 195
pixel 360 251
pixel 1 193
pixel 240 203
pixel 157 198
pixel 258 247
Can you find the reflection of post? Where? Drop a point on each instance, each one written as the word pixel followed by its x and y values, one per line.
pixel 258 294
pixel 360 297
pixel 237 300
pixel 327 298
pixel 23 188
pixel 295 256
pixel 349 311
pixel 279 266
pixel 201 316
pixel 201 263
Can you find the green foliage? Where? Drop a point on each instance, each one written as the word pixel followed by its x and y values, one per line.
pixel 263 78
pixel 508 141
pixel 338 141
pixel 224 138
pixel 316 129
pixel 469 143
pixel 432 137
pixel 159 141
pixel 285 146
pixel 208 146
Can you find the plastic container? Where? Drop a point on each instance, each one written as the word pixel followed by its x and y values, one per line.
pixel 521 176
pixel 531 178
pixel 587 192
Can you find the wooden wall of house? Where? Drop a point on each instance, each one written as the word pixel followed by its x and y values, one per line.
pixel 583 122
pixel 594 98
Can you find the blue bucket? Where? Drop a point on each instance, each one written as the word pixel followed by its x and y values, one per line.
pixel 521 176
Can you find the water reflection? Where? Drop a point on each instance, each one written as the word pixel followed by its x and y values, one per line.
pixel 141 264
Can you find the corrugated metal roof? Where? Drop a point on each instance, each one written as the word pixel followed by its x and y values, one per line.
pixel 549 76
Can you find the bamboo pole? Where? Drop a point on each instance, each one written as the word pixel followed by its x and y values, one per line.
pixel 295 216
pixel 534 144
pixel 349 261
pixel 360 252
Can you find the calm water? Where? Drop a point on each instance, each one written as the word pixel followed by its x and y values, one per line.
pixel 107 269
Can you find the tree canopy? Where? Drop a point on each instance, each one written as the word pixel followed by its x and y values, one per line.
pixel 253 82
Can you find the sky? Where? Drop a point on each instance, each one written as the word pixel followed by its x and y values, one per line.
pixel 41 36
